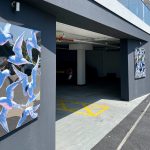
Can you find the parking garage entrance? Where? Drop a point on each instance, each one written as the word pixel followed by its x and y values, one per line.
pixel 88 70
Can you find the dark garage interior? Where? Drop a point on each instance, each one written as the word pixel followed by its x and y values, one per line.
pixel 102 73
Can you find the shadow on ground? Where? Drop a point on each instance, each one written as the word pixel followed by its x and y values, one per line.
pixel 71 98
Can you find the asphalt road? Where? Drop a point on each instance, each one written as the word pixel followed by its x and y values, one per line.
pixel 138 139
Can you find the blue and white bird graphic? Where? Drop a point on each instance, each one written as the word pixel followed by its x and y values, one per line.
pixel 28 87
pixel 19 64
pixel 3 119
pixel 3 75
pixel 7 102
pixel 32 98
pixel 5 34
pixel 32 43
pixel 18 58
pixel 29 111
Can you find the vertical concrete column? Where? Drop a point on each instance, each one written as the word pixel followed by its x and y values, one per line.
pixel 81 62
pixel 124 69
pixel 81 77
pixel 132 88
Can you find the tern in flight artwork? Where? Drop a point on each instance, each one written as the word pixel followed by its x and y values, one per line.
pixel 19 77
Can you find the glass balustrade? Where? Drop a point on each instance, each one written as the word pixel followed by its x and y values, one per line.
pixel 139 8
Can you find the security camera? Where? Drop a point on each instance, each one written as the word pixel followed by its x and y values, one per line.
pixel 16 6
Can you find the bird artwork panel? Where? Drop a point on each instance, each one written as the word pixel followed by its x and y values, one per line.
pixel 20 71
pixel 140 67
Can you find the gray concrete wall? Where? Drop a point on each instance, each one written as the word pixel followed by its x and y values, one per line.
pixel 90 16
pixel 138 87
pixel 40 135
pixel 104 61
pixel 94 59
pixel 132 88
pixel 111 62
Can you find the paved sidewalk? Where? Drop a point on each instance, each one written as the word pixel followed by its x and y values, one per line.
pixel 82 129
pixel 139 139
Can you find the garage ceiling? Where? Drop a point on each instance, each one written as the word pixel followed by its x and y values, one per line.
pixel 69 34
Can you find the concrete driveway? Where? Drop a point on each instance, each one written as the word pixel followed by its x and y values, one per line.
pixel 82 123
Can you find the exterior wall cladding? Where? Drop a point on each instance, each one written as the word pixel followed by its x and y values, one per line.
pixel 40 135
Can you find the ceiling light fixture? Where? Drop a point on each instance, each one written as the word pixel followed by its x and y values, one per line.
pixel 15 6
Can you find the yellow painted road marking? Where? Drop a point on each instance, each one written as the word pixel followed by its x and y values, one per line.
pixel 92 110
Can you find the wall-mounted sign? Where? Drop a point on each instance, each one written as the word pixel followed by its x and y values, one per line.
pixel 20 54
pixel 140 69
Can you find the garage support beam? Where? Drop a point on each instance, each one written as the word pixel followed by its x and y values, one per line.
pixel 81 77
pixel 124 70
pixel 81 67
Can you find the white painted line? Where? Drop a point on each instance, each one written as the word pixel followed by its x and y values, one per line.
pixel 132 129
